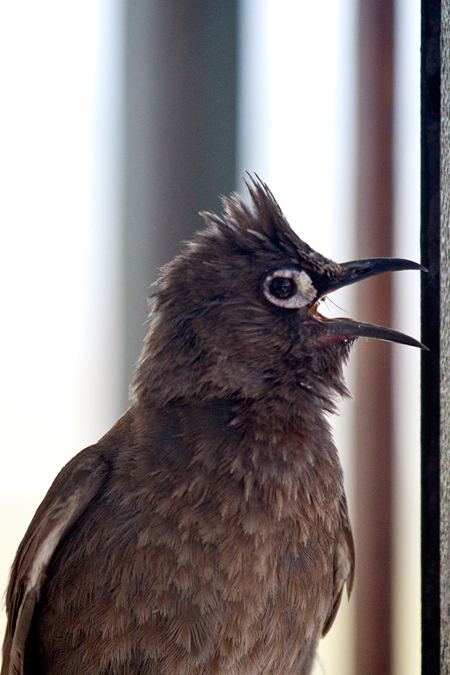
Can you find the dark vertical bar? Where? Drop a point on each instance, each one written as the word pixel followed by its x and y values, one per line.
pixel 181 92
pixel 430 243
pixel 373 396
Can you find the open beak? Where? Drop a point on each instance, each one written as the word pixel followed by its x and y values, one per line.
pixel 354 271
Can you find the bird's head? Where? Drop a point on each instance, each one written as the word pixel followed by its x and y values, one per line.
pixel 237 313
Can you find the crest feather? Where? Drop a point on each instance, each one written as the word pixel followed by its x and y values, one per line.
pixel 257 221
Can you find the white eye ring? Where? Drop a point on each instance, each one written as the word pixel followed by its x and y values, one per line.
pixel 304 295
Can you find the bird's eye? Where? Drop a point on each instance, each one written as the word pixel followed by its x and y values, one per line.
pixel 289 288
pixel 282 288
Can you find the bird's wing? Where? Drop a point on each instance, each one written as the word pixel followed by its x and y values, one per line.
pixel 69 496
pixel 344 567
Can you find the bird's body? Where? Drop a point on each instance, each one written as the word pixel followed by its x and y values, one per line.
pixel 207 533
pixel 195 558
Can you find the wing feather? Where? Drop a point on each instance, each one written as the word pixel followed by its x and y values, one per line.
pixel 69 496
pixel 344 567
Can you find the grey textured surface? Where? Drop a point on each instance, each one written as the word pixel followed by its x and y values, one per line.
pixel 445 339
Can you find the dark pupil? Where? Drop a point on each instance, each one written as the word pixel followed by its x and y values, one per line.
pixel 282 288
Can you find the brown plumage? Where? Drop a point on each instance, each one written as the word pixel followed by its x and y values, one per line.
pixel 207 532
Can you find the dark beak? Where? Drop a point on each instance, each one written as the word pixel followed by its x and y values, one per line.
pixel 354 271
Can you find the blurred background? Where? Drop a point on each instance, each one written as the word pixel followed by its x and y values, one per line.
pixel 119 121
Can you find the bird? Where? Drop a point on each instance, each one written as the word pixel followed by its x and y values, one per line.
pixel 207 533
